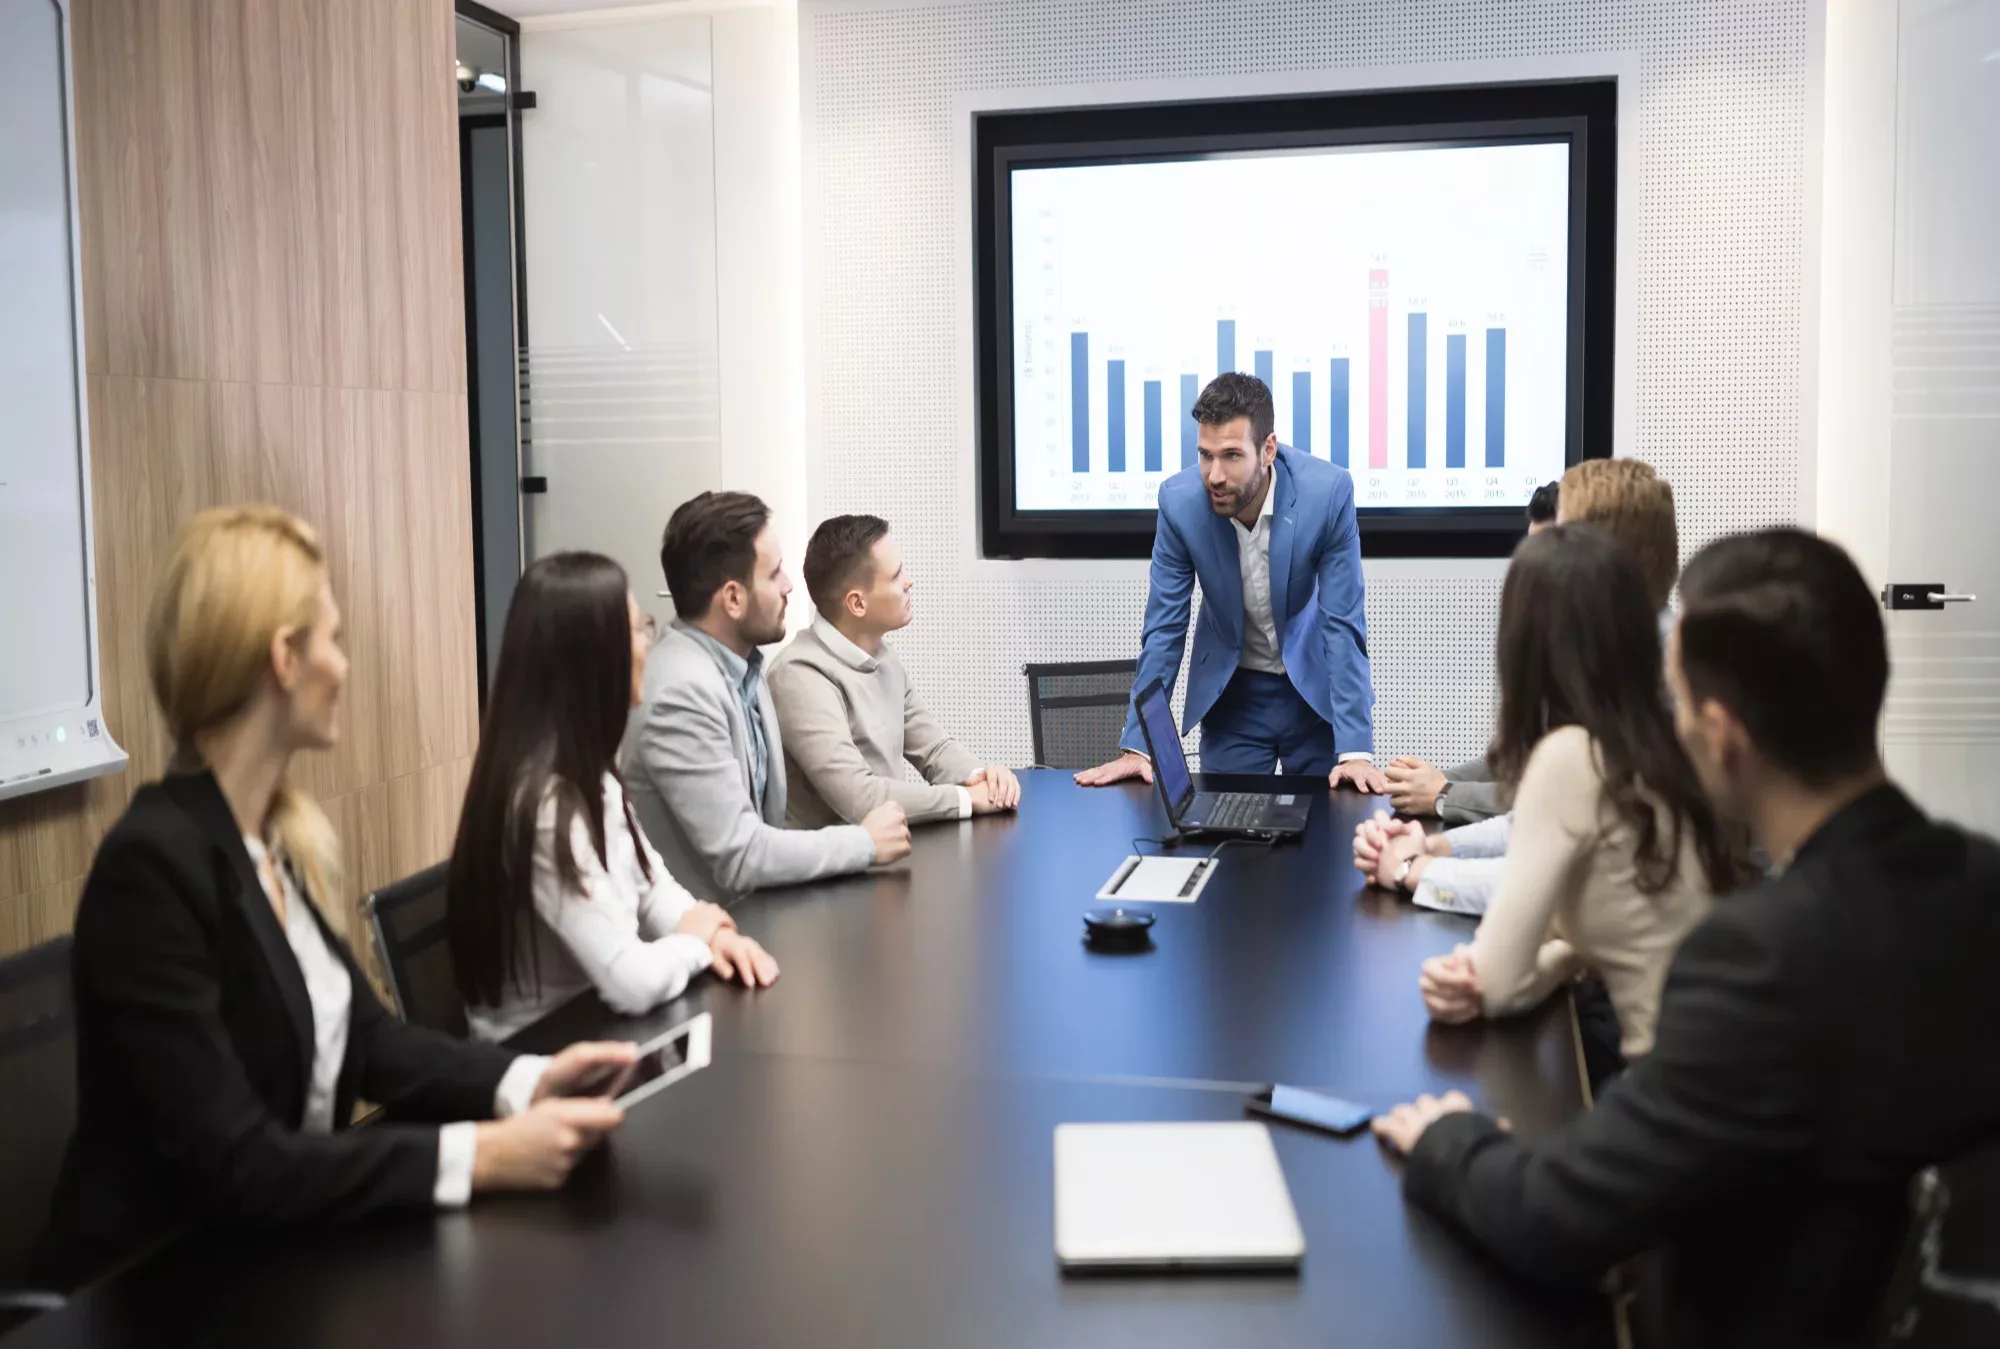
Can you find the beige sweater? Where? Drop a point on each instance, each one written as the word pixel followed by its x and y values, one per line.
pixel 850 721
pixel 1569 898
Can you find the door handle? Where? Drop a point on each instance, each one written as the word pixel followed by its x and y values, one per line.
pixel 1920 595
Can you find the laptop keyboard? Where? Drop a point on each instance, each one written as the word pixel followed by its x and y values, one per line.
pixel 1234 810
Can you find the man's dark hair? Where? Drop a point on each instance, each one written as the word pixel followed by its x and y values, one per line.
pixel 1233 394
pixel 1778 626
pixel 838 557
pixel 710 541
pixel 1542 505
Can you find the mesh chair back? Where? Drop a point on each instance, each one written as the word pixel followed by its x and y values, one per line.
pixel 408 920
pixel 37 1095
pixel 1079 710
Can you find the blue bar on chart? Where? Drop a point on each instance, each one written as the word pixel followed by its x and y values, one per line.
pixel 1302 410
pixel 1496 398
pixel 1262 362
pixel 1079 402
pixel 1454 400
pixel 1225 345
pixel 1190 390
pixel 1152 387
pixel 1114 412
pixel 1419 392
pixel 1336 411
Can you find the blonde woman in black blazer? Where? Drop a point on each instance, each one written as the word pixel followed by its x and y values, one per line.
pixel 224 1031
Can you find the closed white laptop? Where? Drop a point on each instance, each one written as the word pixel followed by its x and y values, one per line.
pixel 1152 1196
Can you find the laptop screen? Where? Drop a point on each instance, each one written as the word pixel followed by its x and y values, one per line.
pixel 1165 738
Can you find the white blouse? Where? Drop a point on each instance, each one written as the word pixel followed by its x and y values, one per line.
pixel 330 990
pixel 616 934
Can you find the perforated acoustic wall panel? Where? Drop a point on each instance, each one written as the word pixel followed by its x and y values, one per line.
pixel 1713 178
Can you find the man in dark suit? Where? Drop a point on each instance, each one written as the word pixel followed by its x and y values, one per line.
pixel 1821 1038
pixel 1280 678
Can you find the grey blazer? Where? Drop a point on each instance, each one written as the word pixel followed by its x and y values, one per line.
pixel 686 764
pixel 1473 797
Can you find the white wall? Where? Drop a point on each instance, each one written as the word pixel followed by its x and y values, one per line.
pixel 1716 224
pixel 1858 208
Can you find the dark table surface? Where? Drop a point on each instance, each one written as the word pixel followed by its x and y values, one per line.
pixel 869 1160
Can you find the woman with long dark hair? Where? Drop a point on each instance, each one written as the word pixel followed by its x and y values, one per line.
pixel 1614 853
pixel 553 886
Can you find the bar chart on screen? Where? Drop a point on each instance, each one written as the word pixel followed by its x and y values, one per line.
pixel 1406 308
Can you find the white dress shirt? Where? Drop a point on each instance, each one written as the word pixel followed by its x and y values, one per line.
pixel 615 935
pixel 330 990
pixel 1262 651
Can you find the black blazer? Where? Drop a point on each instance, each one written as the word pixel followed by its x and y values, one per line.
pixel 194 1050
pixel 1820 1040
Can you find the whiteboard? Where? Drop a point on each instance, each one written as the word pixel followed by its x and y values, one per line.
pixel 51 722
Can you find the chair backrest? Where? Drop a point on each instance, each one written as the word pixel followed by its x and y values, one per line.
pixel 408 922
pixel 37 1095
pixel 1945 1288
pixel 1078 709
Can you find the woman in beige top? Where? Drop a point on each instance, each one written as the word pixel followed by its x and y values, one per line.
pixel 1614 852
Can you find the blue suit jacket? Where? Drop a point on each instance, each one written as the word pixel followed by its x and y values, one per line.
pixel 1316 598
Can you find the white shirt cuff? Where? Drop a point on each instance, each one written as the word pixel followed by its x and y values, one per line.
pixel 516 1091
pixel 1361 754
pixel 964 804
pixel 458 1146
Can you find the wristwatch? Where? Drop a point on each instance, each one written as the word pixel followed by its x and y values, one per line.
pixel 1403 872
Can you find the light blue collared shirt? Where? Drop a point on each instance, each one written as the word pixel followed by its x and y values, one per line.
pixel 746 676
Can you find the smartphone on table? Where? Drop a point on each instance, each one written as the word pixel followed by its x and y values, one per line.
pixel 1315 1110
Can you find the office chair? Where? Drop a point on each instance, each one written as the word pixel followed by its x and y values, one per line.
pixel 1078 710
pixel 37 1111
pixel 407 920
pixel 1945 1288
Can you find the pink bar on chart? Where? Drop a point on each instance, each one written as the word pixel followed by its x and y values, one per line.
pixel 1378 368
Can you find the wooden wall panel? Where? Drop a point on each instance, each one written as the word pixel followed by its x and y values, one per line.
pixel 272 308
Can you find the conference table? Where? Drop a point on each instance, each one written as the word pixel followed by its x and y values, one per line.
pixel 869 1160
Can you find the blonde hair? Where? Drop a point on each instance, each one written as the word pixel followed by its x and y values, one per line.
pixel 1635 506
pixel 238 575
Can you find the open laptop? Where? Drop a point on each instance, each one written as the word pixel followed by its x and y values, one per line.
pixel 1255 814
pixel 1178 1195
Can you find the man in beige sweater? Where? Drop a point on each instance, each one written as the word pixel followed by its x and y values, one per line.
pixel 848 715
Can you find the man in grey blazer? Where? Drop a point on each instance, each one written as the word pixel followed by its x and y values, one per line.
pixel 702 761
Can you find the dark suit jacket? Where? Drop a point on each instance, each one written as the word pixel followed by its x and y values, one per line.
pixel 194 1049
pixel 1821 1039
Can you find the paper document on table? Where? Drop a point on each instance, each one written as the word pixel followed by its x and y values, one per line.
pixel 1159 880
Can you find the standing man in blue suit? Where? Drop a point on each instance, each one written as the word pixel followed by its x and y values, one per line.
pixel 1280 672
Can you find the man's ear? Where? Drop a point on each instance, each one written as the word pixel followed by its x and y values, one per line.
pixel 1727 738
pixel 855 603
pixel 732 597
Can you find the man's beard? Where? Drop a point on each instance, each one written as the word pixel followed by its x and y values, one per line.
pixel 762 629
pixel 1238 499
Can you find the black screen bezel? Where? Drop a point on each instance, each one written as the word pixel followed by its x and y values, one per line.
pixel 1583 113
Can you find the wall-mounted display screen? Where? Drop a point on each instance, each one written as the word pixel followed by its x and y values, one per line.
pixel 1415 297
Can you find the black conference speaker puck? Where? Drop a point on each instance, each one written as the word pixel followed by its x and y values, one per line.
pixel 1117 927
